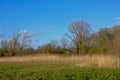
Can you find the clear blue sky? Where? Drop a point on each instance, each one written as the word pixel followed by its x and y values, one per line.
pixel 50 18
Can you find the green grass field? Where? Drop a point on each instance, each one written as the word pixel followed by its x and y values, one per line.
pixel 54 70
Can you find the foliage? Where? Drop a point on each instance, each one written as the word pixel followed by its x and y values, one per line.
pixel 37 71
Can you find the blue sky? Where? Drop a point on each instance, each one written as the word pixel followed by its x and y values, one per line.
pixel 49 19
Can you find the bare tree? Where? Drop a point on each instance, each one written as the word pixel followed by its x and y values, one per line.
pixel 13 45
pixel 19 42
pixel 116 45
pixel 116 29
pixel 78 33
pixel 64 43
pixel 105 34
pixel 4 46
pixel 24 39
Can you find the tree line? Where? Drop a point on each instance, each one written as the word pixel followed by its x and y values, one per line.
pixel 78 40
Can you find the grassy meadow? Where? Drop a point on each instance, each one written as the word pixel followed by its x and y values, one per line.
pixel 56 67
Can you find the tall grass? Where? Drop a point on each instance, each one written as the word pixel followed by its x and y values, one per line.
pixel 84 60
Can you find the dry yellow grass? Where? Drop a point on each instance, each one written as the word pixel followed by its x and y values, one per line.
pixel 86 60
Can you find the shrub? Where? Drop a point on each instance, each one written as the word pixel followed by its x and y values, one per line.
pixel 1 52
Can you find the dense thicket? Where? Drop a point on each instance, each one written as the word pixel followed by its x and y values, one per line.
pixel 78 40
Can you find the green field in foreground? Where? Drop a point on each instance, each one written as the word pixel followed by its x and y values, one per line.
pixel 55 71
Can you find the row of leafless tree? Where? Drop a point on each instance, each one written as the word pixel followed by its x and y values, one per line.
pixel 81 40
pixel 78 40
pixel 17 45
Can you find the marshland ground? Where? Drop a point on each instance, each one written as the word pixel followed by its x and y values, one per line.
pixel 57 67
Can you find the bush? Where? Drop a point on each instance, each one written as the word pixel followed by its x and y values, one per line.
pixel 97 50
pixel 1 52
